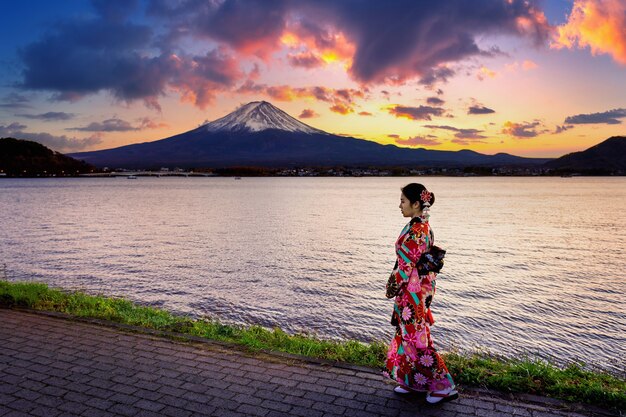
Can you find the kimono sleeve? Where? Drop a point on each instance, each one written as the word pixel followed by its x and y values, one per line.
pixel 408 255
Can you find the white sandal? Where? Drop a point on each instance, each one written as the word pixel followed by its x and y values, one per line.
pixel 401 390
pixel 440 397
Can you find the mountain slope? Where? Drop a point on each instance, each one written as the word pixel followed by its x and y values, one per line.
pixel 259 134
pixel 609 156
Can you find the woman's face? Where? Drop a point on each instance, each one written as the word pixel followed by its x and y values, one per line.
pixel 408 209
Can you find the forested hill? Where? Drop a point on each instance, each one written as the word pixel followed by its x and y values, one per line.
pixel 604 158
pixel 25 158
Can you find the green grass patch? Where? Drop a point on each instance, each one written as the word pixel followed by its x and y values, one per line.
pixel 525 375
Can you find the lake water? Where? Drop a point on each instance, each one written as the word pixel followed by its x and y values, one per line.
pixel 534 265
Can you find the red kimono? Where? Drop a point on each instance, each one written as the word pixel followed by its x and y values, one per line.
pixel 412 360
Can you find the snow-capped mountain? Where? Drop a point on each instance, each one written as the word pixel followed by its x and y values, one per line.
pixel 259 134
pixel 257 116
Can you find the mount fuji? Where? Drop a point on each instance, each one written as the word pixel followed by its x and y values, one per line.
pixel 260 134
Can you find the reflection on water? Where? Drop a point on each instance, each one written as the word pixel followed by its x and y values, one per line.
pixel 534 265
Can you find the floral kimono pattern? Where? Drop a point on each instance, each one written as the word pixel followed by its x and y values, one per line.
pixel 412 360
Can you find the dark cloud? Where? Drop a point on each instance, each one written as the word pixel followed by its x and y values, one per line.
pixel 465 134
pixel 305 60
pixel 109 125
pixel 480 110
pixel 50 116
pixel 436 75
pixel 250 26
pixel 416 113
pixel 15 101
pixel 410 39
pixel 415 36
pixel 562 128
pixel 118 125
pixel 435 101
pixel 58 143
pixel 307 114
pixel 610 117
pixel 413 39
pixel 418 140
pixel 521 130
pixel 82 57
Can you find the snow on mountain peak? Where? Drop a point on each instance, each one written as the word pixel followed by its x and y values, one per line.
pixel 257 116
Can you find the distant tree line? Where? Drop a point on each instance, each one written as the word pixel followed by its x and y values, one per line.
pixel 24 158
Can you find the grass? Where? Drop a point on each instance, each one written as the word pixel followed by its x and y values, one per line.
pixel 525 375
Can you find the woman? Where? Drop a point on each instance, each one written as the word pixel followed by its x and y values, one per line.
pixel 412 361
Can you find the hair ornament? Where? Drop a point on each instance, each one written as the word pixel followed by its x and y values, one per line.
pixel 425 196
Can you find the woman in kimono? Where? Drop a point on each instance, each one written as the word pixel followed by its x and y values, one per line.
pixel 412 360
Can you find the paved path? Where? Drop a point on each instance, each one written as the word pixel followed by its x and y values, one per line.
pixel 51 366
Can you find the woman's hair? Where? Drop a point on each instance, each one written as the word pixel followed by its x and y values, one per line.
pixel 417 192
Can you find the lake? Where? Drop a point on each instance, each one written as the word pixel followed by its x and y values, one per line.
pixel 534 265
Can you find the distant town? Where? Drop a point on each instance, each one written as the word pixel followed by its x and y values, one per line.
pixel 340 172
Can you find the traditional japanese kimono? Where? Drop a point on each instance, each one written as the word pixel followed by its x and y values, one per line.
pixel 412 360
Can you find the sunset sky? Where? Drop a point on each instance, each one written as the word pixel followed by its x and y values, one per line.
pixel 530 78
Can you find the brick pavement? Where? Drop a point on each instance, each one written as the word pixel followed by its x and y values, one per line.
pixel 51 366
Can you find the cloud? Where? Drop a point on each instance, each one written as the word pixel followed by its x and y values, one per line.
pixel 412 38
pixel 561 129
pixel 435 101
pixel 393 136
pixel 308 113
pixel 341 98
pixel 417 141
pixel 528 65
pixel 109 125
pixel 81 57
pixel 477 109
pixel 49 116
pixel 597 24
pixel 57 143
pixel 460 133
pixel 521 130
pixel 15 101
pixel 118 125
pixel 341 109
pixel 415 113
pixel 148 123
pixel 306 60
pixel 365 113
pixel 485 72
pixel 436 75
pixel 610 117
pixel 142 53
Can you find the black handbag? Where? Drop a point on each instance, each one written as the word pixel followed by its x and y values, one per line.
pixel 431 261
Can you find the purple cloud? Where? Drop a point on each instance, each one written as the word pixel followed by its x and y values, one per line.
pixel 465 134
pixel 435 101
pixel 142 61
pixel 416 113
pixel 15 101
pixel 561 129
pixel 49 116
pixel 480 110
pixel 608 117
pixel 109 125
pixel 58 143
